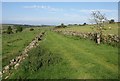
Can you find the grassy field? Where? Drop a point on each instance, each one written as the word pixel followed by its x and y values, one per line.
pixel 0 51
pixel 61 57
pixel 13 44
pixel 88 28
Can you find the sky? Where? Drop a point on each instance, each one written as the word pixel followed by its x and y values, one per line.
pixel 60 0
pixel 54 13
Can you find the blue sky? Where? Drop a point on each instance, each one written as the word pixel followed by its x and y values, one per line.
pixel 55 13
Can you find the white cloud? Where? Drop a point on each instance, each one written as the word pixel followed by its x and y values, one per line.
pixel 43 7
pixel 49 8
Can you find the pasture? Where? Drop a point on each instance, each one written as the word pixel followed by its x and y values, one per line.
pixel 59 40
pixel 61 56
pixel 88 28
pixel 13 44
pixel 70 58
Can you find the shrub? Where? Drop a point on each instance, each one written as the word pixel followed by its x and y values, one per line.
pixel 19 29
pixel 112 21
pixel 9 30
pixel 4 32
pixel 31 29
pixel 61 26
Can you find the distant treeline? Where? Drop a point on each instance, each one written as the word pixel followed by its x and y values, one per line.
pixel 34 25
pixel 26 25
pixel 77 24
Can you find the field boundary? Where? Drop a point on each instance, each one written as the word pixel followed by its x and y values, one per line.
pixel 110 39
pixel 15 63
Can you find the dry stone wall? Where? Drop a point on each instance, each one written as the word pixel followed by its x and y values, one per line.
pixel 15 62
pixel 108 39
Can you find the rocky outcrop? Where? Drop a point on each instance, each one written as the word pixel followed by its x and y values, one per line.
pixel 15 63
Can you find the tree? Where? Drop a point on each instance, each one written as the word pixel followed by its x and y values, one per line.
pixel 9 30
pixel 99 21
pixel 75 24
pixel 31 29
pixel 112 21
pixel 84 24
pixel 61 26
pixel 19 29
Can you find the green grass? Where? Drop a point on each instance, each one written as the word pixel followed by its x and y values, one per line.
pixel 0 52
pixel 87 28
pixel 13 44
pixel 80 59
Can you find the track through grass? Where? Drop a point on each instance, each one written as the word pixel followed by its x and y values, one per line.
pixel 81 53
pixel 81 59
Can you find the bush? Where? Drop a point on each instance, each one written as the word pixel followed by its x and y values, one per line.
pixel 61 26
pixel 4 32
pixel 9 30
pixel 19 29
pixel 112 21
pixel 31 29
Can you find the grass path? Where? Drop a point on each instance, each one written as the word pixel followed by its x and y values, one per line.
pixel 89 59
pixel 81 59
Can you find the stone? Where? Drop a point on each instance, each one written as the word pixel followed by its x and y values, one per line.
pixel 6 67
pixel 17 58
pixel 13 60
pixel 98 41
pixel 110 28
pixel 6 77
pixel 16 66
pixel 3 71
pixel 20 60
pixel 23 58
pixel 0 74
pixel 26 55
pixel 11 64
